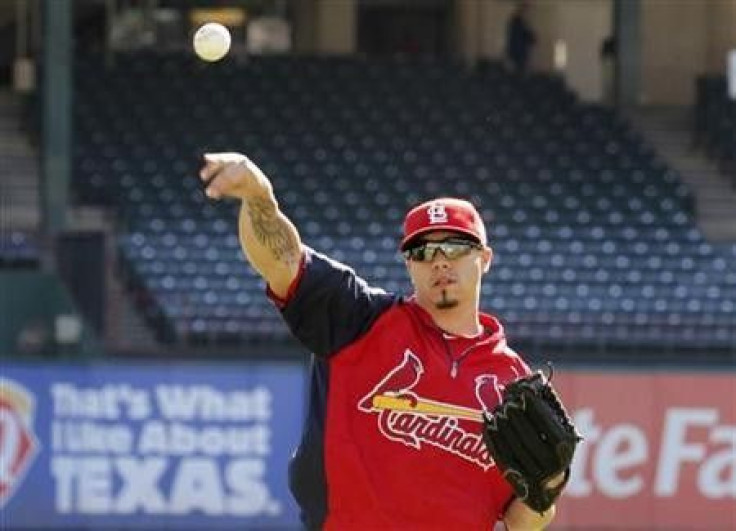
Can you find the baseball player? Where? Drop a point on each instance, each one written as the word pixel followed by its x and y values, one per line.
pixel 393 437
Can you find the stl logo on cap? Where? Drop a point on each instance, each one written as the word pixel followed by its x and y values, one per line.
pixel 18 443
pixel 437 213
pixel 444 213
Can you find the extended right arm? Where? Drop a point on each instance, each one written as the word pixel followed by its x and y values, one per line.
pixel 268 238
pixel 331 305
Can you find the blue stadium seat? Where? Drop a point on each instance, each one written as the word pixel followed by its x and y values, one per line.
pixel 593 233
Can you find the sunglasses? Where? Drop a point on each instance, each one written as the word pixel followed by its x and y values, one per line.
pixel 452 248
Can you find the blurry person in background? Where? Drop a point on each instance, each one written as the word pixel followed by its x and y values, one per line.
pixel 520 39
pixel 608 70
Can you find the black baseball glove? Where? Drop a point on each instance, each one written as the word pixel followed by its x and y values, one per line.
pixel 532 440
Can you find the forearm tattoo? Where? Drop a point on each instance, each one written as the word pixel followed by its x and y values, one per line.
pixel 271 230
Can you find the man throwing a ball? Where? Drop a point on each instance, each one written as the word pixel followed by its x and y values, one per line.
pixel 393 437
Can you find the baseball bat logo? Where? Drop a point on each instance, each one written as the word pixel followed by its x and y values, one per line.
pixel 412 419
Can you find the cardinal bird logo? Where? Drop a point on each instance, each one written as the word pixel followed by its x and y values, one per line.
pixel 18 443
pixel 396 383
pixel 488 391
pixel 413 420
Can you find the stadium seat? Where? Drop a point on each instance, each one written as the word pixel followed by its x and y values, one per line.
pixel 593 233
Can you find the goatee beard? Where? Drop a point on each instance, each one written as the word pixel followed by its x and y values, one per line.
pixel 444 303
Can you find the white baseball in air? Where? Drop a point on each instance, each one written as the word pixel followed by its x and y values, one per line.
pixel 211 41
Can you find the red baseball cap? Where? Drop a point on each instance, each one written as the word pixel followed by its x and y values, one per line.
pixel 444 213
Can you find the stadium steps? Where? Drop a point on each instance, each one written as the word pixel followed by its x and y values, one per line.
pixel 127 330
pixel 669 131
pixel 19 210
pixel 19 170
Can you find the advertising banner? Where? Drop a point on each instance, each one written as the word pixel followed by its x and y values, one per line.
pixel 178 446
pixel 659 451
pixel 187 447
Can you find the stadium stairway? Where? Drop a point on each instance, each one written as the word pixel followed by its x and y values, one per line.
pixel 669 131
pixel 20 214
pixel 127 329
pixel 19 171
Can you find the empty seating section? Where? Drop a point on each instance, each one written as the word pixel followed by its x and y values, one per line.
pixel 593 234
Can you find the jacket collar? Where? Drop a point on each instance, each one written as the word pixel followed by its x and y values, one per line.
pixel 495 335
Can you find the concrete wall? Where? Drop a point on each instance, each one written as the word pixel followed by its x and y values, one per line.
pixel 681 40
pixel 580 25
pixel 722 32
pixel 674 49
pixel 336 26
pixel 468 30
pixel 7 12
pixel 304 13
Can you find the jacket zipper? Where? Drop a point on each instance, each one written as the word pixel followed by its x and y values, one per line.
pixel 455 362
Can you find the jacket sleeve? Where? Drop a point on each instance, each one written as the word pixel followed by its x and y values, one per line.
pixel 330 306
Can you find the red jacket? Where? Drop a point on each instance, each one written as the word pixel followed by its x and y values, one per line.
pixel 393 436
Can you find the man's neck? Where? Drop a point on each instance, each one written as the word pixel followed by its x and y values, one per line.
pixel 460 321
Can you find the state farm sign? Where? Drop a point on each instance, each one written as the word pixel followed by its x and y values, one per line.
pixel 659 451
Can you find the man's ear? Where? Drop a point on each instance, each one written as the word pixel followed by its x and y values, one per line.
pixel 408 271
pixel 487 259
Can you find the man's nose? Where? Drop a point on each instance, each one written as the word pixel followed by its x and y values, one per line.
pixel 440 261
